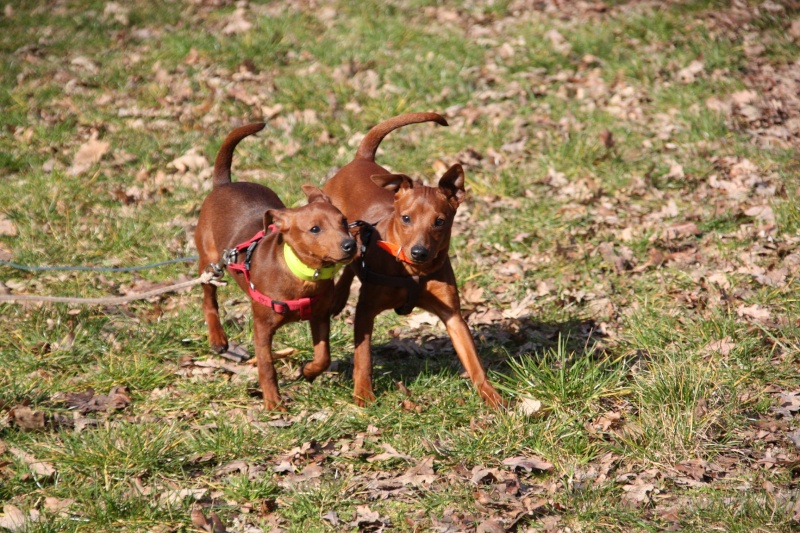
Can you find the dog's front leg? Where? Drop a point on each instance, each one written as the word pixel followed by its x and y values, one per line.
pixel 362 358
pixel 320 334
pixel 263 331
pixel 441 299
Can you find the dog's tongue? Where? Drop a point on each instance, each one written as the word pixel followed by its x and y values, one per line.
pixel 394 249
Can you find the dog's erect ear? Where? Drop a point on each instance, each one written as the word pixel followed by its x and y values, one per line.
pixel 452 184
pixel 279 218
pixel 315 194
pixel 393 182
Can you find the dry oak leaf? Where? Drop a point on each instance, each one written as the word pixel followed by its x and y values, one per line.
pixel 689 73
pixel 170 498
pixel 638 492
pixel 56 505
pixel 7 227
pixel 87 155
pixel 369 520
pixel 389 453
pixel 722 347
pixel 26 418
pixel 237 23
pixel 529 463
pixel 39 468
pixel 491 526
pixel 310 472
pixel 14 519
pixel 529 406
pixel 756 312
pixel 191 160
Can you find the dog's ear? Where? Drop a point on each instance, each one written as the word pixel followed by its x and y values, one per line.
pixel 315 194
pixel 278 218
pixel 452 184
pixel 393 182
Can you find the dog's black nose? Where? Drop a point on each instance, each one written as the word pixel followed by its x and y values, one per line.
pixel 419 253
pixel 349 246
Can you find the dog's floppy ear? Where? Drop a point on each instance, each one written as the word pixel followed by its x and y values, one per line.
pixel 315 194
pixel 452 184
pixel 393 182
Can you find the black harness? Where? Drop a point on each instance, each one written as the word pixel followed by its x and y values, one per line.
pixel 412 284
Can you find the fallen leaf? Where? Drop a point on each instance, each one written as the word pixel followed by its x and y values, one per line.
pixel 389 453
pixel 690 72
pixel 56 505
pixel 761 212
pixel 529 463
pixel 40 468
pixel 368 520
pixel 237 23
pixel 13 519
pixel 755 312
pixel 491 526
pixel 217 525
pixel 310 472
pixel 171 498
pixel 722 346
pixel 7 227
pixel 638 492
pixel 529 406
pixel 26 418
pixel 87 155
pixel 191 160
pixel 199 520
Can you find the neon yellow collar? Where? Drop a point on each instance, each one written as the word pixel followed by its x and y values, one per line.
pixel 304 272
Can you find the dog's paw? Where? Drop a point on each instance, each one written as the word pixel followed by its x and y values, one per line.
pixel 491 396
pixel 363 398
pixel 219 348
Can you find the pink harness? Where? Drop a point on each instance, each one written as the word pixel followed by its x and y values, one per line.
pixel 303 304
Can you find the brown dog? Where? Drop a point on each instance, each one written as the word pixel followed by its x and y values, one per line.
pixel 289 254
pixel 404 259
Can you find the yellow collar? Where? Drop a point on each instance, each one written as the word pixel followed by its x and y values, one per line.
pixel 304 272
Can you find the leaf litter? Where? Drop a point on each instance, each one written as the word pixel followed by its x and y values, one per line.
pixel 669 224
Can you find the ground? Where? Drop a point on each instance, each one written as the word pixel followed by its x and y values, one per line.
pixel 627 257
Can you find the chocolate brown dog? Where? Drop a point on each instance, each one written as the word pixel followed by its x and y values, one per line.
pixel 404 260
pixel 283 258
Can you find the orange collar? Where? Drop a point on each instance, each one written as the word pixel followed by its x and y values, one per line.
pixel 395 250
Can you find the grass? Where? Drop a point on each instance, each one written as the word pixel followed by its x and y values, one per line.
pixel 639 371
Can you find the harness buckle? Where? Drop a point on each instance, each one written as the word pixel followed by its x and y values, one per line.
pixel 248 254
pixel 229 256
pixel 285 307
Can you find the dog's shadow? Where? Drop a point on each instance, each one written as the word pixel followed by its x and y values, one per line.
pixel 412 353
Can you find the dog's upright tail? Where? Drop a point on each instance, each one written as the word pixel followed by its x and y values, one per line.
pixel 369 145
pixel 222 166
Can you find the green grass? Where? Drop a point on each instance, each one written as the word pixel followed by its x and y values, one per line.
pixel 638 371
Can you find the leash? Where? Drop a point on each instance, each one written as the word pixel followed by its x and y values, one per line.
pixel 206 277
pixel 69 268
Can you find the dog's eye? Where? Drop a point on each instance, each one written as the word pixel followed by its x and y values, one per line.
pixel 439 222
pixel 406 219
pixel 315 229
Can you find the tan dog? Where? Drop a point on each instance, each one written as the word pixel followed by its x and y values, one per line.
pixel 404 261
pixel 283 258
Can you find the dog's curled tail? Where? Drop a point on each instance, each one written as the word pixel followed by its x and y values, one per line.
pixel 369 145
pixel 222 165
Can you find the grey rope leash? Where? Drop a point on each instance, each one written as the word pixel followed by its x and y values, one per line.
pixel 95 269
pixel 206 277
